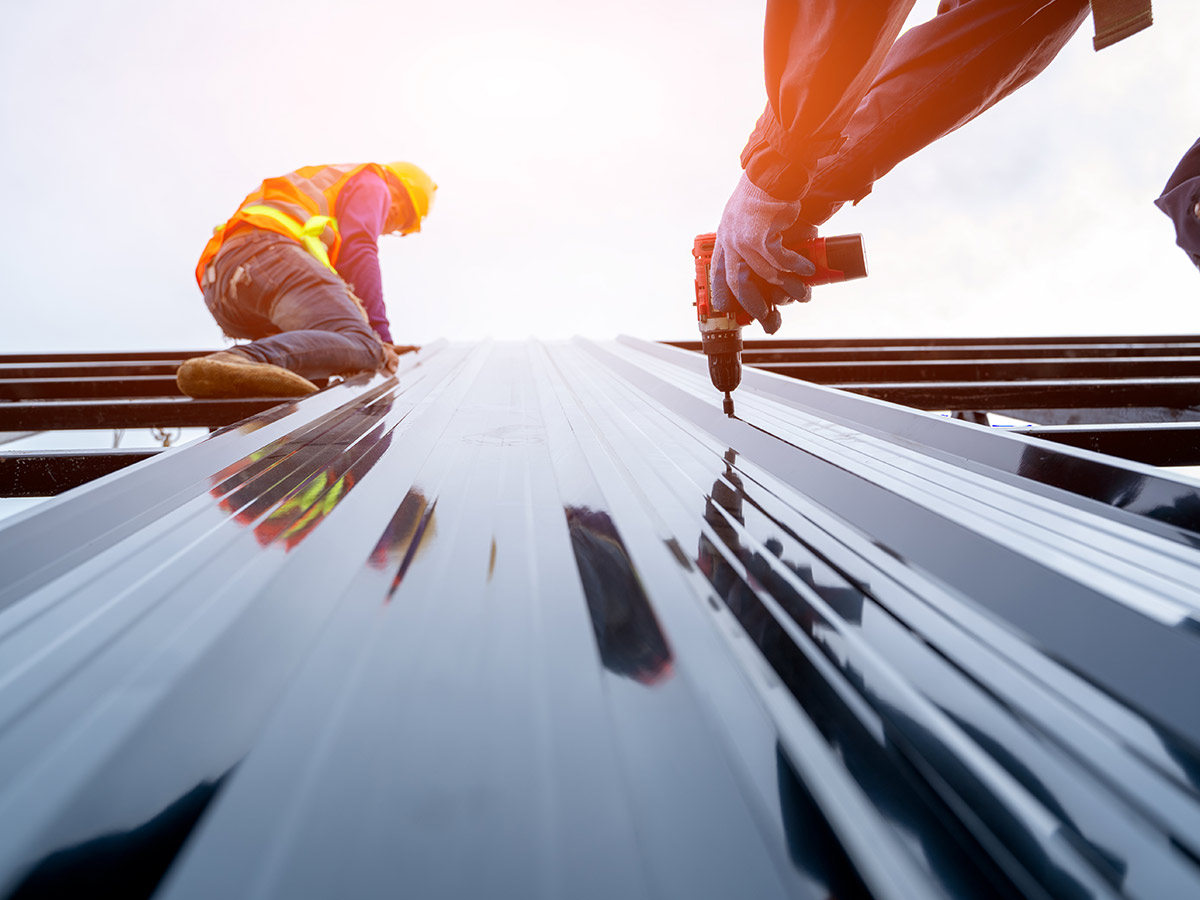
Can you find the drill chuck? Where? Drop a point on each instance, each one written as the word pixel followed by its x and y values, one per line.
pixel 724 352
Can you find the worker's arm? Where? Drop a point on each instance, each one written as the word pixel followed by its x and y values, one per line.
pixel 819 59
pixel 1181 201
pixel 822 141
pixel 361 211
pixel 938 76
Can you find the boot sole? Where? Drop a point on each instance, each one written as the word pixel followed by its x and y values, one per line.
pixel 203 378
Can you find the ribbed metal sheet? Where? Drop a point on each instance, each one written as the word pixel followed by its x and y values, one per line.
pixel 539 621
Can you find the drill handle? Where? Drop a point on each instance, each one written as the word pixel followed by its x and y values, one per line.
pixel 702 251
pixel 840 257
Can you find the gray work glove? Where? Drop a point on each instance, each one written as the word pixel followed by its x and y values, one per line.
pixel 751 267
pixel 391 361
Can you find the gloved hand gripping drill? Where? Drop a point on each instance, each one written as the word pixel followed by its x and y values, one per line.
pixel 767 257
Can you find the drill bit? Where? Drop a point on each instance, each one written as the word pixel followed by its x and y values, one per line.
pixel 728 404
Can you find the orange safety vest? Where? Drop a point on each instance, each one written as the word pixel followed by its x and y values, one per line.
pixel 298 205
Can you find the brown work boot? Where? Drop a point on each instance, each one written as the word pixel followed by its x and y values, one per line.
pixel 229 374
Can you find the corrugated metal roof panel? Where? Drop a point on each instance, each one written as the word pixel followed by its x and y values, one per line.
pixel 538 620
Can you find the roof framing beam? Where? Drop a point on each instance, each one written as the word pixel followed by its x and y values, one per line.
pixel 984 370
pixel 91 387
pixel 1161 444
pixel 52 415
pixel 47 473
pixel 1090 343
pixel 1174 393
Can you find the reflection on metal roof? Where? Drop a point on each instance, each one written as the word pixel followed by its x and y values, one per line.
pixel 537 620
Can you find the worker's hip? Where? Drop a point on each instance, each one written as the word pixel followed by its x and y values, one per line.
pixel 256 269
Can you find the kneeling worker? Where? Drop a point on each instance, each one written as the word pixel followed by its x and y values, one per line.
pixel 296 271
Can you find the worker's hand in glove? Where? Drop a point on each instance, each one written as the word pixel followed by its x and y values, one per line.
pixel 751 266
pixel 390 360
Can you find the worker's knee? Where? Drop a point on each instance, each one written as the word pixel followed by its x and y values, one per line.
pixel 371 348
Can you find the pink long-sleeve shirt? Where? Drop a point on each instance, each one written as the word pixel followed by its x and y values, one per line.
pixel 362 211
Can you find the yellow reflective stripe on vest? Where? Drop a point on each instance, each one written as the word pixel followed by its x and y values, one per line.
pixel 308 234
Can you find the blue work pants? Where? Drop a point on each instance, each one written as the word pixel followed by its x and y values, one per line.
pixel 298 313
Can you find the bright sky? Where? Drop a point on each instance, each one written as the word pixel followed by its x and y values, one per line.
pixel 579 148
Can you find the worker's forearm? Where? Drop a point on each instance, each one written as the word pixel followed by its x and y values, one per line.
pixel 362 210
pixel 358 264
pixel 939 76
pixel 819 60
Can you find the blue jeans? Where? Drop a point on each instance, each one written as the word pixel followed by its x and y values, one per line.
pixel 298 313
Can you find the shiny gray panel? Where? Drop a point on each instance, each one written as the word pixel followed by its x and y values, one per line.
pixel 538 620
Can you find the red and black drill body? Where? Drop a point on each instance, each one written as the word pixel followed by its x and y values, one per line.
pixel 838 258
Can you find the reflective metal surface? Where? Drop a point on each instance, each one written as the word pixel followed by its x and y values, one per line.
pixel 538 620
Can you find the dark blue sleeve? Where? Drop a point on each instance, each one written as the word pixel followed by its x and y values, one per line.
pixel 848 101
pixel 361 210
pixel 1180 200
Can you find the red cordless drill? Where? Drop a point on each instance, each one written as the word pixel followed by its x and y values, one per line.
pixel 838 258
